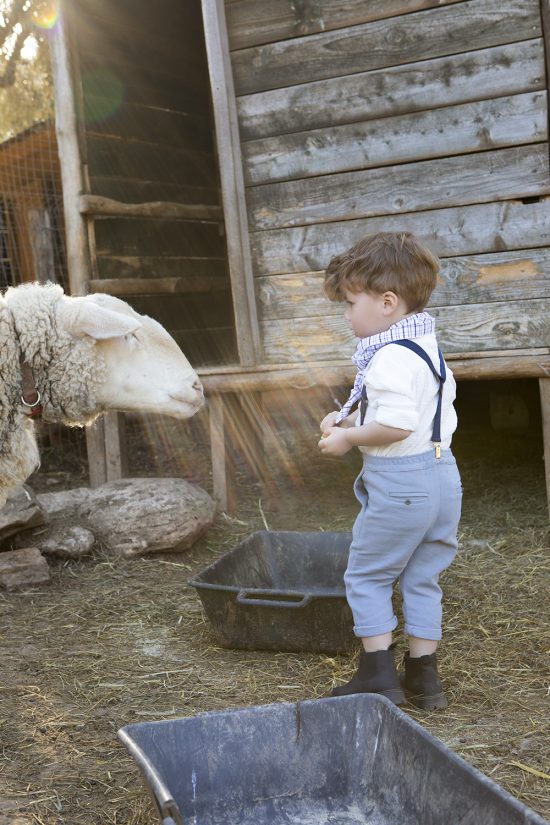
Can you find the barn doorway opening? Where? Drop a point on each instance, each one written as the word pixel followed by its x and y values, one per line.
pixel 156 223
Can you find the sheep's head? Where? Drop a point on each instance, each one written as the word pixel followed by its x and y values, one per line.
pixel 144 369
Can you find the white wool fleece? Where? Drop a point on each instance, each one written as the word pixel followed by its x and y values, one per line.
pixel 67 371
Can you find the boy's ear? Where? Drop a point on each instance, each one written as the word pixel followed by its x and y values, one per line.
pixel 390 301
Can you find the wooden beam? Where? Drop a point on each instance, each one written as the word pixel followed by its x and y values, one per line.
pixel 475 366
pixel 72 176
pixel 107 207
pixel 158 286
pixel 232 184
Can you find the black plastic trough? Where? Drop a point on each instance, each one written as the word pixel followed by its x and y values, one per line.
pixel 354 760
pixel 280 591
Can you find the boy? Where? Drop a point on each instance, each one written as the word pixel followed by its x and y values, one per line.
pixel 409 488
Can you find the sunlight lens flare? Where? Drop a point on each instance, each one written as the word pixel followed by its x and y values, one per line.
pixel 103 94
pixel 47 15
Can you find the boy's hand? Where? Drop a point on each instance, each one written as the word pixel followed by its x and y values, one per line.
pixel 334 441
pixel 328 421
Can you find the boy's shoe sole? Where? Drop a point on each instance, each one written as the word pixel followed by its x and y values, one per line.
pixel 437 702
pixel 395 695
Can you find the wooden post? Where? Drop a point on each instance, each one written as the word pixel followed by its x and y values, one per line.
pixel 217 442
pixel 232 181
pixel 95 443
pixel 68 145
pixel 544 386
pixel 105 455
pixel 116 465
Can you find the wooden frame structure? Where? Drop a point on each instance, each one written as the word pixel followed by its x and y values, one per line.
pixel 335 120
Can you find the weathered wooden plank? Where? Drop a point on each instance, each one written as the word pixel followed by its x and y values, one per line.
pixel 148 123
pixel 465 280
pixel 139 236
pixel 468 127
pixel 475 24
pixel 463 230
pixel 131 79
pixel 501 326
pixel 478 178
pixel 252 22
pixel 487 73
pixel 158 286
pixel 131 190
pixel 107 207
pixel 112 155
pixel 120 267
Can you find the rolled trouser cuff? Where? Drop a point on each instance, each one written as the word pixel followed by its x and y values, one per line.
pixel 431 633
pixel 364 631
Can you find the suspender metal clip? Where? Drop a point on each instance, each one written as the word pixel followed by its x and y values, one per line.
pixel 437 445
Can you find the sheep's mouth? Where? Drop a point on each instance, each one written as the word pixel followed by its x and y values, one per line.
pixel 182 406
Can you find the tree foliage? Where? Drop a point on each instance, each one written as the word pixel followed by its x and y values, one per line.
pixel 26 88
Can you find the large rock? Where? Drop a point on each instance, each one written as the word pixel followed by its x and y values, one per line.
pixel 135 516
pixel 64 505
pixel 131 517
pixel 20 512
pixel 23 568
pixel 67 542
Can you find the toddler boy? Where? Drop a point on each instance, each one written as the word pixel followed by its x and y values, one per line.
pixel 409 488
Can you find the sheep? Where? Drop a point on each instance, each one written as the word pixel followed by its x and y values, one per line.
pixel 88 355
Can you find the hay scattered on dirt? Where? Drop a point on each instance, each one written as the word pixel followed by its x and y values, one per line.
pixel 109 643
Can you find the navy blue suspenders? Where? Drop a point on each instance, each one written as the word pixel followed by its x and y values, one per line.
pixel 441 376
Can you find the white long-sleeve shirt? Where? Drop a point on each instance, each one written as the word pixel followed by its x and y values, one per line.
pixel 402 392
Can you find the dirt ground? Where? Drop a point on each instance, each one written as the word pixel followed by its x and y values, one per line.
pixel 111 642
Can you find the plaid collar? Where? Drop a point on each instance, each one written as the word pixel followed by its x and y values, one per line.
pixel 413 326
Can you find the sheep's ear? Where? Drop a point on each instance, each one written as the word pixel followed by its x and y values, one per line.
pixel 82 317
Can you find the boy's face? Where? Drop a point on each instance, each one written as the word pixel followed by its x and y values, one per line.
pixel 368 313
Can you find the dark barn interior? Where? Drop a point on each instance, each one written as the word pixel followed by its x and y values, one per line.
pixel 148 137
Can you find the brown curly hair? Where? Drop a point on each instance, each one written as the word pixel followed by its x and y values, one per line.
pixel 394 261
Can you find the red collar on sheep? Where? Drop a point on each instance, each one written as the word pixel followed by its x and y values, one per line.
pixel 30 396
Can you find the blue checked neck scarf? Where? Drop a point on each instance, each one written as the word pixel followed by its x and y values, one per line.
pixel 414 326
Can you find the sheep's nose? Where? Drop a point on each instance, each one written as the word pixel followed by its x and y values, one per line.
pixel 197 386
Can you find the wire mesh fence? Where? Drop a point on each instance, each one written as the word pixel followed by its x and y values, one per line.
pixel 32 246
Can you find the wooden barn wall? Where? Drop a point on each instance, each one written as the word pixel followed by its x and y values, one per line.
pixel 426 115
pixel 148 132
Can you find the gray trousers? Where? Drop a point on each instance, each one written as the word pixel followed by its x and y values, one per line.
pixel 406 531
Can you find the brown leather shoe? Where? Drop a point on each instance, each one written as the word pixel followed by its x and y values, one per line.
pixel 376 674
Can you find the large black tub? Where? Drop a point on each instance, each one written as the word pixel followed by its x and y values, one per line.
pixel 280 591
pixel 353 760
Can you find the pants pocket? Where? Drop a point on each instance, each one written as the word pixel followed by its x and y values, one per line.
pixel 408 499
